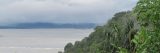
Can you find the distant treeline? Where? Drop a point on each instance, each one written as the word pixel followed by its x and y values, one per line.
pixel 136 31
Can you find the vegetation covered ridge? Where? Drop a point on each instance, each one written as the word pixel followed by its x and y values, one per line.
pixel 134 31
pixel 118 32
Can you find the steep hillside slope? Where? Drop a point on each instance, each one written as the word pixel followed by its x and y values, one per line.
pixel 116 34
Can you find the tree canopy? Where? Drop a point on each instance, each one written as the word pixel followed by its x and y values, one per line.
pixel 135 31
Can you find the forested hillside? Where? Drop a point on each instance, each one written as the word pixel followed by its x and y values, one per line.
pixel 116 33
pixel 134 31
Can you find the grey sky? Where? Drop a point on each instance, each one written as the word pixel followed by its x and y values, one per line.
pixel 61 11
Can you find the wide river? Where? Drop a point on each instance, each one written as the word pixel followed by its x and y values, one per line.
pixel 39 40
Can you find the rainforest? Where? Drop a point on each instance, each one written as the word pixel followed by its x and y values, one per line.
pixel 135 31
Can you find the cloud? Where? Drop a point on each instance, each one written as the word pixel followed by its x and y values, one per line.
pixel 61 11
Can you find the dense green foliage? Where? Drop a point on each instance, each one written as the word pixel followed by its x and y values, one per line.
pixel 127 32
pixel 116 34
pixel 148 38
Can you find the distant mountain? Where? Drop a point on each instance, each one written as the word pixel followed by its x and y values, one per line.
pixel 48 25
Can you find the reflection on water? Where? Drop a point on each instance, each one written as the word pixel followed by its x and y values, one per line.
pixel 38 40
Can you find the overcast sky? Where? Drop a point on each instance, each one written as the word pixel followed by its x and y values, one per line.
pixel 61 11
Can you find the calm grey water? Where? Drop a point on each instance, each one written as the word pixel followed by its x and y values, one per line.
pixel 38 40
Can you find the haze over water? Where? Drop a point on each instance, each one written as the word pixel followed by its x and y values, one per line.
pixel 38 40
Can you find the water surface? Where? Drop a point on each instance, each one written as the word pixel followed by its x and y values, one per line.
pixel 38 40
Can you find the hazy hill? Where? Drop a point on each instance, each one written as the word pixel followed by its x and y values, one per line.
pixel 48 25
